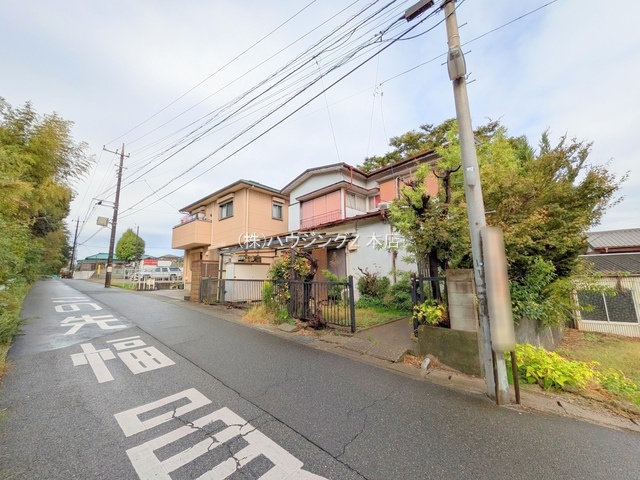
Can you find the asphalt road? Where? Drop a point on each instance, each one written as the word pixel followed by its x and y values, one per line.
pixel 158 390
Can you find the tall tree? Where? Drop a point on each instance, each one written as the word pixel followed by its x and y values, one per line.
pixel 544 200
pixel 130 246
pixel 38 162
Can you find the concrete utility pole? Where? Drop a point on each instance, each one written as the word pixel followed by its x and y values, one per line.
pixel 475 206
pixel 73 250
pixel 493 362
pixel 114 221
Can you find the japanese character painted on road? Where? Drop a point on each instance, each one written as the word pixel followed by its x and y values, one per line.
pixel 78 322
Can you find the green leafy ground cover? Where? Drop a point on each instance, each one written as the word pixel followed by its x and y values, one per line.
pixel 594 365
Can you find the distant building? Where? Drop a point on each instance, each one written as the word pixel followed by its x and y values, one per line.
pixel 92 262
pixel 615 255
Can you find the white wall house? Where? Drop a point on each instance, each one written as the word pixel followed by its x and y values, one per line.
pixel 341 201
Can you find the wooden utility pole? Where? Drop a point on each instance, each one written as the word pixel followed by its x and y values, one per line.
pixel 114 221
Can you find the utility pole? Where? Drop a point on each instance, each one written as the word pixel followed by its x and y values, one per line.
pixel 492 362
pixel 137 237
pixel 475 207
pixel 73 250
pixel 114 221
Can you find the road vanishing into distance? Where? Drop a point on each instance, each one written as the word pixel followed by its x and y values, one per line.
pixel 111 384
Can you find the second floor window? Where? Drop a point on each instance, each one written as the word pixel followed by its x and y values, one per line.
pixel 276 211
pixel 226 210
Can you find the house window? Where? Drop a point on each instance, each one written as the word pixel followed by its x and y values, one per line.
pixel 226 210
pixel 374 202
pixel 356 202
pixel 276 211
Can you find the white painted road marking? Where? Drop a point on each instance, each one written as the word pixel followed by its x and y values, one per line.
pixel 68 299
pixel 131 424
pixel 145 359
pixel 75 307
pixel 96 359
pixel 140 360
pixel 78 322
pixel 148 466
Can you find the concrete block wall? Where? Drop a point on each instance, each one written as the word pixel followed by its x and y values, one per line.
pixel 461 299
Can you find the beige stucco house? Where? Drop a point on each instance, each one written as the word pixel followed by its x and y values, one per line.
pixel 226 217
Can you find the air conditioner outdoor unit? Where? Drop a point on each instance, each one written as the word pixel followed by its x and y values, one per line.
pixel 383 206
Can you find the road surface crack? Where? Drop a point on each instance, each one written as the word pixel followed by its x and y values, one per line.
pixel 364 421
pixel 275 384
pixel 215 442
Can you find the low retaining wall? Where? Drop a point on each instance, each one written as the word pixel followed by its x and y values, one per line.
pixel 548 337
pixel 456 348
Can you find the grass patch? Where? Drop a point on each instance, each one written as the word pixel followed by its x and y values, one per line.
pixel 609 351
pixel 124 285
pixel 259 314
pixel 600 367
pixel 263 314
pixel 4 349
pixel 370 316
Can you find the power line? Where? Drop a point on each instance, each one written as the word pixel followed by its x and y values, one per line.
pixel 429 61
pixel 217 71
pixel 389 44
pixel 189 141
pixel 471 41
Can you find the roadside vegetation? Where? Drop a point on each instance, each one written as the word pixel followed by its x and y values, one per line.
pixel 544 198
pixel 381 302
pixel 600 367
pixel 38 162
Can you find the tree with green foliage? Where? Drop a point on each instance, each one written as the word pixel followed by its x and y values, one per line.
pixel 38 161
pixel 130 246
pixel 544 200
pixel 427 137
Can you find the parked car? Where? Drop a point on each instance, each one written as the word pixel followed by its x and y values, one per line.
pixel 159 273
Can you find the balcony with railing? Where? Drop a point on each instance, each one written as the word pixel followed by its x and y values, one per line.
pixel 192 233
pixel 321 219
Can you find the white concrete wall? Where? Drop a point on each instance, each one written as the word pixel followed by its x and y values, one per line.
pixel 367 256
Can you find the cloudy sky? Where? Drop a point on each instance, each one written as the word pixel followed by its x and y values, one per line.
pixel 203 93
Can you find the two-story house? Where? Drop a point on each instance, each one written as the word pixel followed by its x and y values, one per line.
pixel 341 200
pixel 224 218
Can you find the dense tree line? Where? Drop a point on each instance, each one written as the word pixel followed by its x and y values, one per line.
pixel 39 160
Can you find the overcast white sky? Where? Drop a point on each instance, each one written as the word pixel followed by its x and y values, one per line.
pixel 571 67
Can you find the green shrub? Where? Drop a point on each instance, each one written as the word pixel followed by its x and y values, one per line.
pixel 370 302
pixel 373 285
pixel 430 312
pixel 616 382
pixel 274 302
pixel 11 299
pixel 550 370
pixel 399 295
pixel 281 267
pixel 335 291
